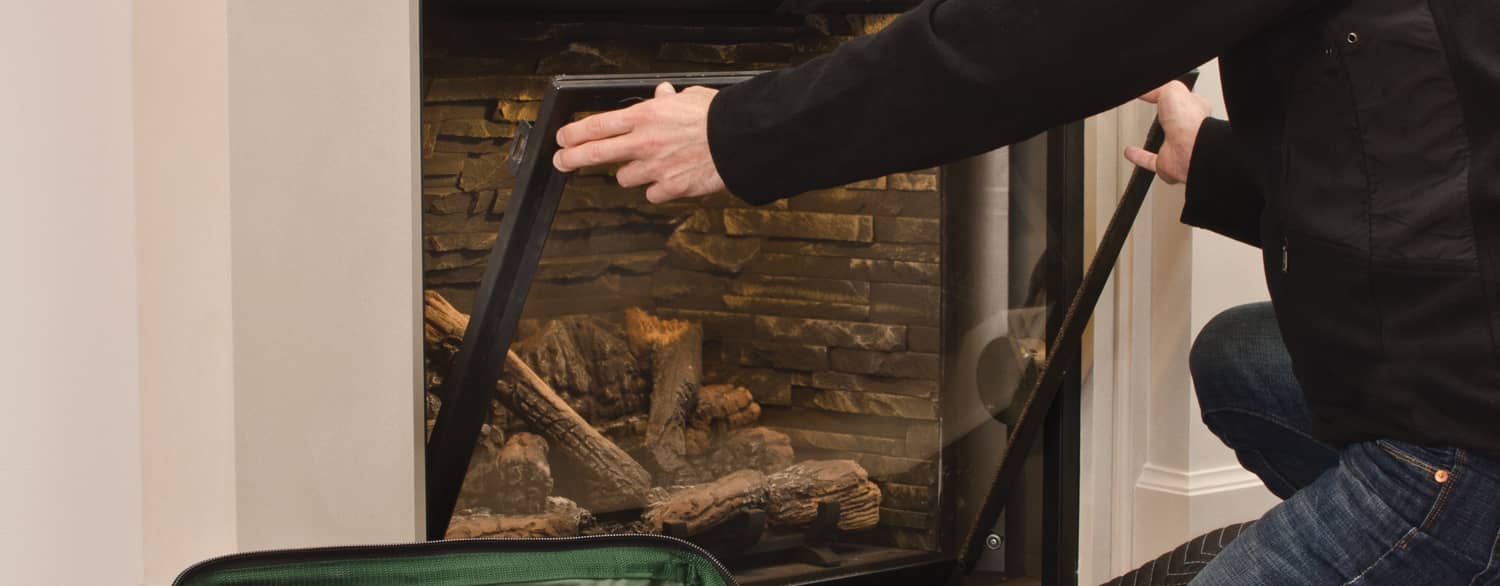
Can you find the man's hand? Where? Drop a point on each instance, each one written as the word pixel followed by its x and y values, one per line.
pixel 663 141
pixel 1181 112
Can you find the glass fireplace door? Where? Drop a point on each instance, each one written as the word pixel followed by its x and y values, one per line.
pixel 802 388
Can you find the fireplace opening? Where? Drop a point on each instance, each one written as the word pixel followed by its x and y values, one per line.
pixel 785 385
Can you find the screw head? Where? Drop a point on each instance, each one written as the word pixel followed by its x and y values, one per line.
pixel 994 541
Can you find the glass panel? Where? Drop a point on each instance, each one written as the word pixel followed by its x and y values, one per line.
pixel 754 379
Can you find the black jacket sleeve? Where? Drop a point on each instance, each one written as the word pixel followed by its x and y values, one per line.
pixel 954 78
pixel 1222 193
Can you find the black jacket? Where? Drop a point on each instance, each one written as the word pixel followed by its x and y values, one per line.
pixel 1363 158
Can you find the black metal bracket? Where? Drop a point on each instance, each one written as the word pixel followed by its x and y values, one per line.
pixel 512 264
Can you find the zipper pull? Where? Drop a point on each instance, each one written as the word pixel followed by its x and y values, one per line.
pixel 1284 255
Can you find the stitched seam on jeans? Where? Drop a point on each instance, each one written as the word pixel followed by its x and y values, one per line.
pixel 1399 545
pixel 1445 492
pixel 1263 417
pixel 1491 566
pixel 1401 454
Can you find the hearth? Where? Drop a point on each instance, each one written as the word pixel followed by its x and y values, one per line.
pixel 784 385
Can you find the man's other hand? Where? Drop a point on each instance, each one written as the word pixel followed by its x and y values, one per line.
pixel 662 141
pixel 1181 112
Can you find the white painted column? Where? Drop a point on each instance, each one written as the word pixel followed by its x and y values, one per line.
pixel 323 168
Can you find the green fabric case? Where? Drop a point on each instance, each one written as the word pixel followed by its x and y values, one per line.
pixel 608 560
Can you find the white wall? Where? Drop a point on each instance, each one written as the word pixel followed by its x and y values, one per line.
pixel 70 437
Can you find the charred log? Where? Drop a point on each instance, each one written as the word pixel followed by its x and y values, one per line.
pixel 590 367
pixel 704 506
pixel 793 494
pixel 525 477
pixel 676 351
pixel 719 410
pixel 618 480
pixel 559 518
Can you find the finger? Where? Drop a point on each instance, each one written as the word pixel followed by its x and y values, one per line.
pixel 598 152
pixel 635 174
pixel 1154 96
pixel 664 191
pixel 664 89
pixel 1141 158
pixel 596 127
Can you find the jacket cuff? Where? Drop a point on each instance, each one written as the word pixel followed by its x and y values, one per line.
pixel 1221 196
pixel 731 153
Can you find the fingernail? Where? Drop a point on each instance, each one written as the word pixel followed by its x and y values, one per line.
pixel 557 161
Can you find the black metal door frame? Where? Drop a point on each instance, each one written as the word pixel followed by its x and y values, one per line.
pixel 1061 433
pixel 527 222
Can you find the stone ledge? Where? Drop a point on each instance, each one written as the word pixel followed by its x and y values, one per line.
pixel 928 253
pixel 726 54
pixel 845 442
pixel 913 182
pixel 803 288
pixel 769 387
pixel 906 496
pixel 924 339
pixel 864 384
pixel 877 203
pixel 906 304
pixel 888 364
pixel 797 308
pixel 486 87
pixel 822 332
pixel 907 230
pixel 711 252
pixel 864 403
pixel 799 225
pixel 772 355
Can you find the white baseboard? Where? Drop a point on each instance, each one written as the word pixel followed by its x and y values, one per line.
pixel 1192 483
pixel 1172 506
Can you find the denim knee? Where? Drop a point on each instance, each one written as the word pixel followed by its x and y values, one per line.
pixel 1229 352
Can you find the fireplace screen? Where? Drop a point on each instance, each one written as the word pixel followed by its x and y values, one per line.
pixel 780 384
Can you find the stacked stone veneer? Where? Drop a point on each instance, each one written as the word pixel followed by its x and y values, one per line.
pixel 826 305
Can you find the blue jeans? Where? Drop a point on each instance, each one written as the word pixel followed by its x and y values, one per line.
pixel 1382 512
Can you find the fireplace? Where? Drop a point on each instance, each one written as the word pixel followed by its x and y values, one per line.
pixel 785 385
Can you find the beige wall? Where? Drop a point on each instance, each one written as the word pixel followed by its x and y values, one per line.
pixel 182 182
pixel 197 365
pixel 323 176
pixel 70 438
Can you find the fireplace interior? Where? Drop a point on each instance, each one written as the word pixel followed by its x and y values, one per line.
pixel 785 385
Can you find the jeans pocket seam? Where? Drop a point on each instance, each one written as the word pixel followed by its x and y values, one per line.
pixel 1444 493
pixel 1440 502
pixel 1402 455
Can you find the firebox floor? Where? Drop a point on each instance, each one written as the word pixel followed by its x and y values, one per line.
pixel 856 559
pixel 867 560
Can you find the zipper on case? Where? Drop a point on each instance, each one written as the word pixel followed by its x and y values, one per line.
pixel 318 554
